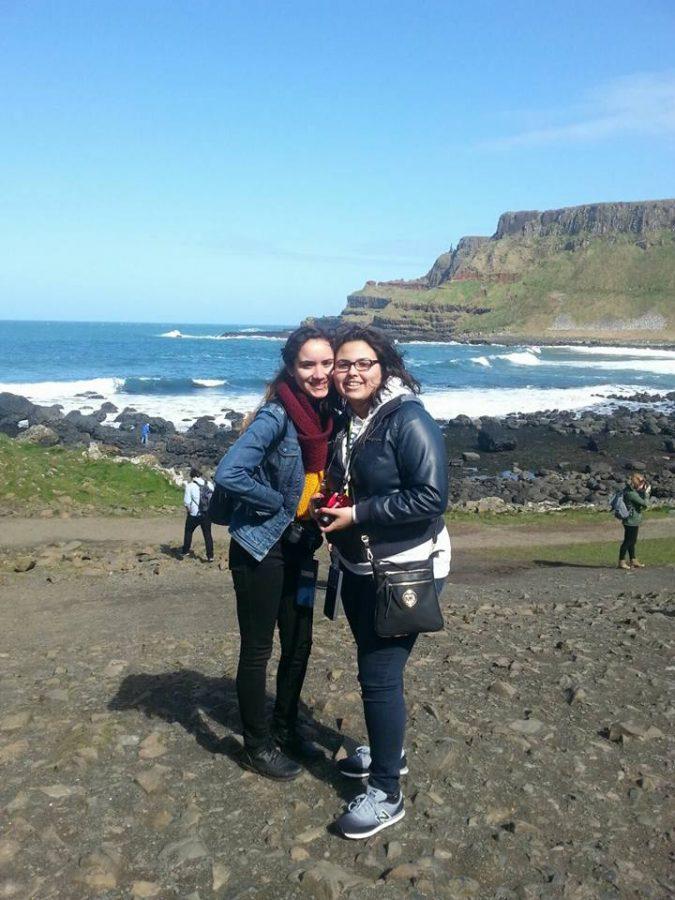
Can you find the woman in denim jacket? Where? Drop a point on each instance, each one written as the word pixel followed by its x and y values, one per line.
pixel 273 470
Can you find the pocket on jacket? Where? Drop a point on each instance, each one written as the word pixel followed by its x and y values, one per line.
pixel 287 449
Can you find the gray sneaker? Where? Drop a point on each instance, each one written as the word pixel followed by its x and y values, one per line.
pixel 369 813
pixel 358 764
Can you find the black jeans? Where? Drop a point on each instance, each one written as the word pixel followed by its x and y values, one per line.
pixel 193 522
pixel 266 593
pixel 630 535
pixel 381 664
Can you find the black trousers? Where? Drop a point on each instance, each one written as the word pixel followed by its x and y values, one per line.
pixel 630 536
pixel 266 600
pixel 193 522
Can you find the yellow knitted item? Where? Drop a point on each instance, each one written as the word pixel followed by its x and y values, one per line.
pixel 312 484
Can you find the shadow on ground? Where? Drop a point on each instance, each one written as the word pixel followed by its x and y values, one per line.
pixel 198 702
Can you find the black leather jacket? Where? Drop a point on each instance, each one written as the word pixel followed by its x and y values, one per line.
pixel 399 480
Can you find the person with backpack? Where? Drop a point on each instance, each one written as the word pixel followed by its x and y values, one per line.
pixel 635 496
pixel 196 501
pixel 272 471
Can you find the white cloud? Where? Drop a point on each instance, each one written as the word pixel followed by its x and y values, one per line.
pixel 640 104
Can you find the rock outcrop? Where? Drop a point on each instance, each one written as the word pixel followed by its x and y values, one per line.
pixel 603 271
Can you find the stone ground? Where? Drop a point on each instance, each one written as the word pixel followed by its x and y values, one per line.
pixel 539 723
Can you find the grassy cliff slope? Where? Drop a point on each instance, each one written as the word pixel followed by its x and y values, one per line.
pixel 602 272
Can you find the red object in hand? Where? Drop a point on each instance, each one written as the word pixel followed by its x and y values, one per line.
pixel 336 500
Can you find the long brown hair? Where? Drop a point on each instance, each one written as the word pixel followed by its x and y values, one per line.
pixel 289 353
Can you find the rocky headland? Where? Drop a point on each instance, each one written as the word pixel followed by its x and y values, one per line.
pixel 599 272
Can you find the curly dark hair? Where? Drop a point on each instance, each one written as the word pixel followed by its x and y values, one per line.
pixel 390 359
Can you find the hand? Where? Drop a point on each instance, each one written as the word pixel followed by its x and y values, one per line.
pixel 341 518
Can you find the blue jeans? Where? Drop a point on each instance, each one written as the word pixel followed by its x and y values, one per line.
pixel 381 664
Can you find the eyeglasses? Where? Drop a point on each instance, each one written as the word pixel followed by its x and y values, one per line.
pixel 361 365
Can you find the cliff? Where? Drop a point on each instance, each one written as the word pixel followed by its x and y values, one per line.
pixel 603 272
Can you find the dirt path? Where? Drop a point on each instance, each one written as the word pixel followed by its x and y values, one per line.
pixel 537 739
pixel 20 532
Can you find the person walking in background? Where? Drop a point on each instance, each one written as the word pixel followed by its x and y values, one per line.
pixel 273 470
pixel 196 499
pixel 390 461
pixel 145 433
pixel 636 497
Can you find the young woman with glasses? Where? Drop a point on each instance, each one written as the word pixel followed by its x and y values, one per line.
pixel 390 459
pixel 273 470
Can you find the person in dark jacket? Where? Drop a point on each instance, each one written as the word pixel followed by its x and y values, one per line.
pixel 390 459
pixel 636 496
pixel 273 469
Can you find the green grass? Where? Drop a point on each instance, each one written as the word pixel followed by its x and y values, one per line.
pixel 550 520
pixel 36 478
pixel 603 554
pixel 603 279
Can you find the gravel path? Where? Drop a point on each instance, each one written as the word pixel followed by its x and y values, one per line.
pixel 31 532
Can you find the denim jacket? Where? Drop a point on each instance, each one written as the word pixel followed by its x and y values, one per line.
pixel 263 470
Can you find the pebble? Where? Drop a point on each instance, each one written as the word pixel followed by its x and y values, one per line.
pixel 311 834
pixel 178 852
pixel 152 747
pixel 527 726
pixel 393 850
pixel 60 791
pixel 8 850
pixel 402 872
pixel 619 731
pixel 144 889
pixel 327 881
pixel 503 689
pixel 115 667
pixel 13 751
pixel 151 780
pixel 15 721
pixel 220 875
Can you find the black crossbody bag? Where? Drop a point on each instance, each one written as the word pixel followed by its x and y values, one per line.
pixel 406 599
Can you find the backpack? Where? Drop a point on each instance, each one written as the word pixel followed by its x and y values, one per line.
pixel 221 506
pixel 205 494
pixel 618 506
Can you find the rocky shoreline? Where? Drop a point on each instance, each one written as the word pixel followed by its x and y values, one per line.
pixel 543 459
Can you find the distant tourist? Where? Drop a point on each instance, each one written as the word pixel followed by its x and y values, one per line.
pixel 636 497
pixel 391 462
pixel 196 499
pixel 274 469
pixel 145 433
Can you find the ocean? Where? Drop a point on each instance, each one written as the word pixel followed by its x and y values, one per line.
pixel 182 371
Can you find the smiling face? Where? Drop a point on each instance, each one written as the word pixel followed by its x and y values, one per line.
pixel 358 388
pixel 312 368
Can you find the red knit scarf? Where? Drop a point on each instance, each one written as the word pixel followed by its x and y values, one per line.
pixel 312 433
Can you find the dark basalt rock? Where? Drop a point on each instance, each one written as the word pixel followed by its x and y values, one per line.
pixel 15 408
pixel 493 438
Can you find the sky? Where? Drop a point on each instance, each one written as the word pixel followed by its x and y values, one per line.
pixel 255 162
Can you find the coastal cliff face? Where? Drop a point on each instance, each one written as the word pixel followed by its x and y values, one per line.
pixel 603 272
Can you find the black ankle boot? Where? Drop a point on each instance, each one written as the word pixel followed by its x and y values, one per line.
pixel 292 742
pixel 270 762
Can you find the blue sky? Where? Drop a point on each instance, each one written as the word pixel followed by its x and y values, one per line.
pixel 219 161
